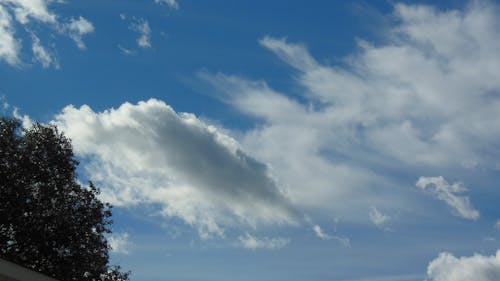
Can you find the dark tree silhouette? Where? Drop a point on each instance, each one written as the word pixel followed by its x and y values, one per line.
pixel 48 221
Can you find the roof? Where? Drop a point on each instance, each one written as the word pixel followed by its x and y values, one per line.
pixel 12 272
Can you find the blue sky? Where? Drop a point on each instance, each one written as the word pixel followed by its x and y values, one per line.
pixel 274 140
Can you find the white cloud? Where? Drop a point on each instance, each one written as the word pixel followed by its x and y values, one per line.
pixel 26 12
pixel 26 121
pixel 9 45
pixel 125 51
pixel 497 224
pixel 170 3
pixel 148 153
pixel 41 54
pixel 298 143
pixel 409 103
pixel 449 194
pixel 142 27
pixel 324 236
pixel 377 217
pixel 296 55
pixel 253 243
pixel 77 28
pixel 4 104
pixel 447 267
pixel 120 243
pixel 319 232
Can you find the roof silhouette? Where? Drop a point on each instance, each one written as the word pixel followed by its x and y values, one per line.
pixel 12 272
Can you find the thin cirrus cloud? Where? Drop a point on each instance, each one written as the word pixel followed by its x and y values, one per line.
pixel 147 153
pixel 378 218
pixel 173 4
pixel 439 188
pixel 9 45
pixel 24 13
pixel 447 267
pixel 77 28
pixel 321 234
pixel 251 242
pixel 141 26
pixel 408 104
pixel 42 55
pixel 293 141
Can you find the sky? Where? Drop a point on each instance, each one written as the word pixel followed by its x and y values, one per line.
pixel 274 140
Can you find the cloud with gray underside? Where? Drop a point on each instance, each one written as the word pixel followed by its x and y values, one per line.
pixel 148 153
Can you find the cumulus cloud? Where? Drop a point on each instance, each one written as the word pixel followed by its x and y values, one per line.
pixel 447 267
pixel 442 190
pixel 404 104
pixel 377 217
pixel 173 4
pixel 148 153
pixel 120 243
pixel 497 225
pixel 142 27
pixel 253 243
pixel 25 13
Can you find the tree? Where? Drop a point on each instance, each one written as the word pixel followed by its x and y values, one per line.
pixel 48 221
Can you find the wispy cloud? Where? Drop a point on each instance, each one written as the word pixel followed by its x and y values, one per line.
pixel 324 236
pixel 142 27
pixel 9 45
pixel 26 13
pixel 77 28
pixel 253 243
pixel 449 193
pixel 319 232
pixel 5 104
pixel 378 218
pixel 407 103
pixel 173 4
pixel 41 54
pixel 120 243
pixel 125 51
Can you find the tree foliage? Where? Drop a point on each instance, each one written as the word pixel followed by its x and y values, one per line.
pixel 48 221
